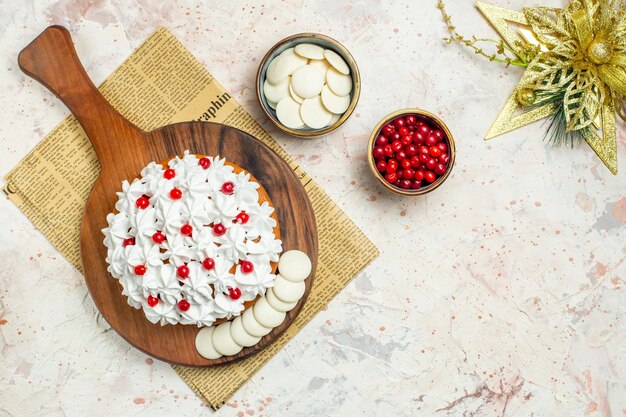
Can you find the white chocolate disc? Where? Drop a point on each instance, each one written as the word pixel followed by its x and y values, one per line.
pixel 276 92
pixel 339 83
pixel 252 326
pixel 337 61
pixel 240 335
pixel 288 291
pixel 271 72
pixel 320 64
pixel 309 50
pixel 307 81
pixel 314 114
pixel 294 96
pixel 294 266
pixel 267 315
pixel 204 343
pixel 288 113
pixel 334 119
pixel 287 64
pixel 336 104
pixel 271 104
pixel 223 341
pixel 278 304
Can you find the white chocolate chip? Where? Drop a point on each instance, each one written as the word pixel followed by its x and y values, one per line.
pixel 252 326
pixel 294 266
pixel 314 114
pixel 337 61
pixel 288 113
pixel 307 81
pixel 334 103
pixel 240 335
pixel 204 343
pixel 276 92
pixel 278 304
pixel 339 83
pixel 267 315
pixel 223 341
pixel 288 291
pixel 309 50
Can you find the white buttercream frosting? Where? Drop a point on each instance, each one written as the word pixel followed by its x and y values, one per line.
pixel 202 204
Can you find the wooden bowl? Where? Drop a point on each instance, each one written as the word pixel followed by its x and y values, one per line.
pixel 327 43
pixel 430 119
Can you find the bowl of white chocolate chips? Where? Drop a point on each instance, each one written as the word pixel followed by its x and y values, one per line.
pixel 308 84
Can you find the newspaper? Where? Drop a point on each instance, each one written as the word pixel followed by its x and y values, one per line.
pixel 162 83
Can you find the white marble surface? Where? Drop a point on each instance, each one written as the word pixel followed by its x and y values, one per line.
pixel 503 293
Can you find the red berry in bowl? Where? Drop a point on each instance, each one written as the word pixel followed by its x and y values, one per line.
pixel 381 166
pixel 382 140
pixel 424 157
pixel 403 131
pixel 411 150
pixel 406 140
pixel 395 136
pixel 434 151
pixel 397 183
pixel 443 147
pixel 410 120
pixel 439 134
pixel 387 150
pixel 401 155
pixel 391 177
pixel 378 153
pixel 418 138
pixel 415 162
pixel 388 130
pixel 440 169
pixel 431 163
pixel 416 185
pixel 405 184
pixel 430 176
pixel 423 129
pixel 396 145
pixel 398 123
pixel 444 158
pixel 419 175
pixel 392 165
pixel 406 164
pixel 431 140
pixel 408 174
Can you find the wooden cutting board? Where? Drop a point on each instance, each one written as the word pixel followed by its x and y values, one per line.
pixel 123 150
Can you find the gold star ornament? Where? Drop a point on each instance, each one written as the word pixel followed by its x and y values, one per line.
pixel 575 69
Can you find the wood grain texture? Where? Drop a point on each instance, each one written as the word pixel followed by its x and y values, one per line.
pixel 123 150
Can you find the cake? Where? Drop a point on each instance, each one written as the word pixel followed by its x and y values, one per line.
pixel 194 241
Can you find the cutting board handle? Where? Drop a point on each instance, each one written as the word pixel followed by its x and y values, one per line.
pixel 51 59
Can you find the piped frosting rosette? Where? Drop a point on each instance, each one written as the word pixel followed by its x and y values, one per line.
pixel 191 243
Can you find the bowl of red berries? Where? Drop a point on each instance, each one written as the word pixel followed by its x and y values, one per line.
pixel 411 152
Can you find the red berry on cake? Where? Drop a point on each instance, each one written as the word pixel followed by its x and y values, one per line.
pixel 219 229
pixel 129 241
pixel 208 263
pixel 158 237
pixel 247 267
pixel 176 194
pixel 205 163
pixel 142 202
pixel 152 301
pixel 140 269
pixel 228 187
pixel 234 293
pixel 169 174
pixel 243 217
pixel 183 305
pixel 182 271
pixel 186 229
